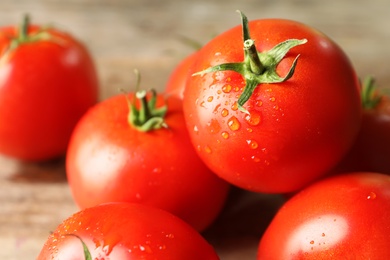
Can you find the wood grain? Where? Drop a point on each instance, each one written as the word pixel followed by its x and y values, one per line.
pixel 127 34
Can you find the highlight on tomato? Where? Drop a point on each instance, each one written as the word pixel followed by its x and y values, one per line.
pixel 125 231
pixel 277 115
pixel 136 148
pixel 48 81
pixel 341 217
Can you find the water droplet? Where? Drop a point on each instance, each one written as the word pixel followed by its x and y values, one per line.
pixel 312 242
pixel 202 104
pixel 235 106
pixel 233 123
pixel 276 107
pixel 216 108
pixel 266 162
pixel 198 148
pixel 219 91
pixel 162 247
pixel 371 196
pixel 210 98
pixel 229 79
pixel 264 150
pixel 255 159
pixel 214 126
pixel 237 88
pixel 272 99
pixel 170 235
pixel 259 103
pixel 225 135
pixel 252 144
pixel 323 234
pixel 250 130
pixel 146 249
pixel 224 112
pixel 196 130
pixel 253 118
pixel 207 149
pixel 157 170
pixel 227 88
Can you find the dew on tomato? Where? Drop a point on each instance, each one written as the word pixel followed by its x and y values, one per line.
pixel 254 118
pixel 371 196
pixel 252 144
pixel 225 135
pixel 233 123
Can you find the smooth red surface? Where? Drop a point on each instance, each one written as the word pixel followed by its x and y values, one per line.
pixel 342 217
pixel 109 160
pixel 295 131
pixel 45 87
pixel 126 231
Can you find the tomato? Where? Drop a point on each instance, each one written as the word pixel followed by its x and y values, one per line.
pixel 47 82
pixel 177 79
pixel 341 217
pixel 371 150
pixel 125 231
pixel 272 123
pixel 110 159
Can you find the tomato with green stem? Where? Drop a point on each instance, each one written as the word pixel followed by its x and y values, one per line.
pixel 279 114
pixel 125 231
pixel 178 77
pixel 136 148
pixel 341 217
pixel 47 82
pixel 371 150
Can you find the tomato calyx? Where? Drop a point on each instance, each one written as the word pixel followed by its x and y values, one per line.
pixel 257 67
pixel 23 36
pixel 87 253
pixel 148 117
pixel 369 93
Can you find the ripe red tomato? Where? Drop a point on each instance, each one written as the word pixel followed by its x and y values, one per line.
pixel 125 231
pixel 47 82
pixel 177 79
pixel 111 160
pixel 342 217
pixel 289 131
pixel 371 150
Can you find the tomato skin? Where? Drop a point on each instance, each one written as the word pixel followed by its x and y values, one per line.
pixel 45 87
pixel 126 231
pixel 296 131
pixel 178 77
pixel 108 160
pixel 342 217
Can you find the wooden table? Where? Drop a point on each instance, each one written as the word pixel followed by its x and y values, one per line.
pixel 127 34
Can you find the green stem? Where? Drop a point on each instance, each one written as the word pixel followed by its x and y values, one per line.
pixel 254 61
pixel 148 117
pixel 87 254
pixel 369 93
pixel 23 28
pixel 257 67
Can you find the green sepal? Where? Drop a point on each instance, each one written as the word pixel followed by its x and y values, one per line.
pixel 258 67
pixel 87 254
pixel 369 93
pixel 148 117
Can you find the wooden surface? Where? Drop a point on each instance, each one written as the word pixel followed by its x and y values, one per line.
pixel 127 34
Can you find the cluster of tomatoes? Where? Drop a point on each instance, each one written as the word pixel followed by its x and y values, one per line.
pixel 270 106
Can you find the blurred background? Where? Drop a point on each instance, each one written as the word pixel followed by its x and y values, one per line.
pixel 126 34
